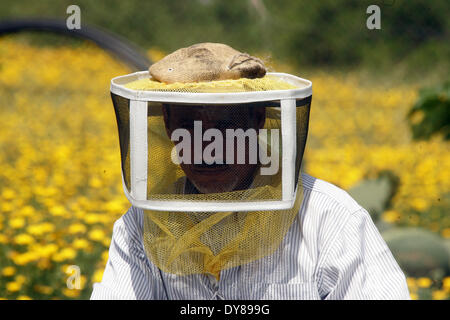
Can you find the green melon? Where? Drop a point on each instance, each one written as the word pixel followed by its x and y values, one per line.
pixel 419 252
pixel 375 195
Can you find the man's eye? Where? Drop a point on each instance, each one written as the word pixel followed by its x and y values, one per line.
pixel 224 125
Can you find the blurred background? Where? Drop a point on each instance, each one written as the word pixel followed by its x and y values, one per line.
pixel 379 124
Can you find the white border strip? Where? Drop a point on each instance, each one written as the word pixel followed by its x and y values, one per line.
pixel 138 149
pixel 304 90
pixel 288 140
pixel 204 206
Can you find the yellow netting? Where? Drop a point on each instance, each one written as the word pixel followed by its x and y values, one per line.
pixel 265 83
pixel 196 243
pixel 199 242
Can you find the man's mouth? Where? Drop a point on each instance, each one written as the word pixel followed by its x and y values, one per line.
pixel 209 168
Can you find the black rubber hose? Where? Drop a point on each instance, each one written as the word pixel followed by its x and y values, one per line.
pixel 121 48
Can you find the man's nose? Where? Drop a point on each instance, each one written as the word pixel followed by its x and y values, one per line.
pixel 211 125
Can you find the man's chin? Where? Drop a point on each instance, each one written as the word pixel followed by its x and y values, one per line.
pixel 215 184
pixel 217 179
pixel 203 188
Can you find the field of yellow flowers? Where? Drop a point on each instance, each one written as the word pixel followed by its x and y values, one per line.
pixel 60 184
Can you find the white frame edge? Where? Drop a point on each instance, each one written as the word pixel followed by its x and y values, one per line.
pixel 203 206
pixel 138 149
pixel 289 143
pixel 304 90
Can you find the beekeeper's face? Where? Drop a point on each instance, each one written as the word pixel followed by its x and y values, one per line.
pixel 227 172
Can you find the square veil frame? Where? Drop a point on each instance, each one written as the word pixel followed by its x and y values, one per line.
pixel 135 186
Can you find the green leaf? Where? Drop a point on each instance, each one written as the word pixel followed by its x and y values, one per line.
pixel 374 195
pixel 419 252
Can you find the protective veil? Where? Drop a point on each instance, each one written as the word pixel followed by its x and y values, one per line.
pixel 214 163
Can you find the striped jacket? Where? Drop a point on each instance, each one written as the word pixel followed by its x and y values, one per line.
pixel 332 251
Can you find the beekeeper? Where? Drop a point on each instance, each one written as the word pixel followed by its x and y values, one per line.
pixel 211 149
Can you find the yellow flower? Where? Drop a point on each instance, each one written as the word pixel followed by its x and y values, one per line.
pixel 80 244
pixel 91 218
pixel 65 254
pixel 58 211
pixel 77 228
pixel 439 295
pixel 96 235
pixel 106 242
pixel 414 296
pixel 23 239
pixel 446 233
pixel 43 289
pixel 17 223
pixel 114 206
pixel 412 284
pixel 20 279
pixel 27 211
pixel 13 286
pixel 23 298
pixel 80 214
pixel 40 229
pixel 47 192
pixel 7 207
pixel 47 250
pixel 391 216
pixel 82 281
pixel 44 264
pixel 446 283
pixel 95 182
pixel 424 282
pixel 71 293
pixel 97 276
pixel 8 194
pixel 24 258
pixel 8 271
pixel 3 239
pixel 419 204
pixel 50 203
pixel 105 255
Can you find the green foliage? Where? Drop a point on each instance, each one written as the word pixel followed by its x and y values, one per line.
pixel 447 245
pixel 419 252
pixel 305 34
pixel 435 218
pixel 375 194
pixel 434 107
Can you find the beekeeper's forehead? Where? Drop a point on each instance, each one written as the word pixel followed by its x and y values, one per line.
pixel 237 113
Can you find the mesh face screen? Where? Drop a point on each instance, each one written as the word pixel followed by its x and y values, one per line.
pixel 302 121
pixel 212 152
pixel 122 110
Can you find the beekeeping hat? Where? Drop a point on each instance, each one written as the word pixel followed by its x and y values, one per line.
pixel 211 148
